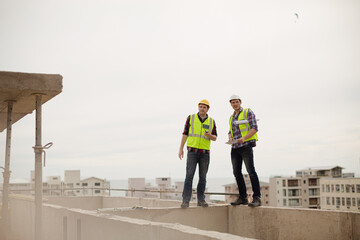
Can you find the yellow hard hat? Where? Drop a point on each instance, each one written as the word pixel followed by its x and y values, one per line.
pixel 206 102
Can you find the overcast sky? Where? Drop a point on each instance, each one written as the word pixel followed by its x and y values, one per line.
pixel 134 70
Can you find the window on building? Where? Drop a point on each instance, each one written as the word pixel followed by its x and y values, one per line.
pixel 327 188
pixel 332 187
pixel 84 184
pixel 77 184
pixel 322 188
pixel 284 183
pixel 97 191
pixel 337 188
pixel 342 187
pixel 358 200
pixel 353 202
pixel 313 192
pixel 347 187
pixel 293 183
pixel 348 201
pixel 328 200
pixel 333 201
pixel 353 188
pixel 294 202
pixel 304 181
pixel 313 201
pixel 343 201
pixel 284 193
pixel 313 182
pixel 358 188
pixel 337 201
pixel 97 184
pixel 284 202
pixel 294 192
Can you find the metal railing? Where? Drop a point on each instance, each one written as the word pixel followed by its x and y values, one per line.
pixel 62 191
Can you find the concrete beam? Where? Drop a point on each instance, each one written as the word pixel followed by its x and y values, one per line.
pixel 20 88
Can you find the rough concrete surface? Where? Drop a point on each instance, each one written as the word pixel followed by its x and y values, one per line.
pixel 20 88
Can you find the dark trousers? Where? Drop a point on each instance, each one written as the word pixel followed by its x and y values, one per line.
pixel 193 159
pixel 238 156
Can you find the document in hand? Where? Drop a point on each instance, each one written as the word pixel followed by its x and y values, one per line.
pixel 231 142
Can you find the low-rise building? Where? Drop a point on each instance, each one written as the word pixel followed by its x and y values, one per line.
pixel 233 188
pixel 305 191
pixel 340 194
pixel 71 186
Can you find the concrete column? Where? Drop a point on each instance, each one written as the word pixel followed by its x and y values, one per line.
pixel 38 170
pixel 5 197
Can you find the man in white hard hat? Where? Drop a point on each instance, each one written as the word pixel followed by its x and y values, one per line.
pixel 199 131
pixel 244 137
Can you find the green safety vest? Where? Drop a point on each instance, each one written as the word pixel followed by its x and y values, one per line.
pixel 196 137
pixel 244 128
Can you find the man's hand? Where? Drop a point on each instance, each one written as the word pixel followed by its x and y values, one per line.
pixel 181 154
pixel 241 140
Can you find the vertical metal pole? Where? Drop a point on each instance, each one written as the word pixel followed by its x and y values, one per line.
pixel 5 197
pixel 38 171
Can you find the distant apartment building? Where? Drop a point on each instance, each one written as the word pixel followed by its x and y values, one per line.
pixel 340 194
pixel 233 188
pixel 138 184
pixel 302 190
pixel 94 186
pixel 71 186
pixel 53 186
pixel 163 189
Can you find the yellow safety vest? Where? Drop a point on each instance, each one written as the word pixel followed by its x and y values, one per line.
pixel 196 137
pixel 244 128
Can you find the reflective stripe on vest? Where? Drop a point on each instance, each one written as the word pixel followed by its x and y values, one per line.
pixel 196 137
pixel 244 128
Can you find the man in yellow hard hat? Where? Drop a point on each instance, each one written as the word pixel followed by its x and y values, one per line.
pixel 199 131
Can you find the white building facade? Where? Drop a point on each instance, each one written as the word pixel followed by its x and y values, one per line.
pixel 304 190
pixel 340 194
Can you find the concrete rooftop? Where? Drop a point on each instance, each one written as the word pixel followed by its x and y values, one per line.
pixel 20 88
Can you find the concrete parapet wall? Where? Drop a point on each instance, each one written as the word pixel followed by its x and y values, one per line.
pixel 215 222
pixel 211 219
pixel 97 202
pixel 289 223
pixel 61 223
pixel 86 203
pixel 22 215
pixel 118 202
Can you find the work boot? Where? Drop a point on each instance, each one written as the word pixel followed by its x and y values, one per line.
pixel 185 205
pixel 240 201
pixel 256 202
pixel 203 204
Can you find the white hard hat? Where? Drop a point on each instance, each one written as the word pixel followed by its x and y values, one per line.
pixel 233 97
